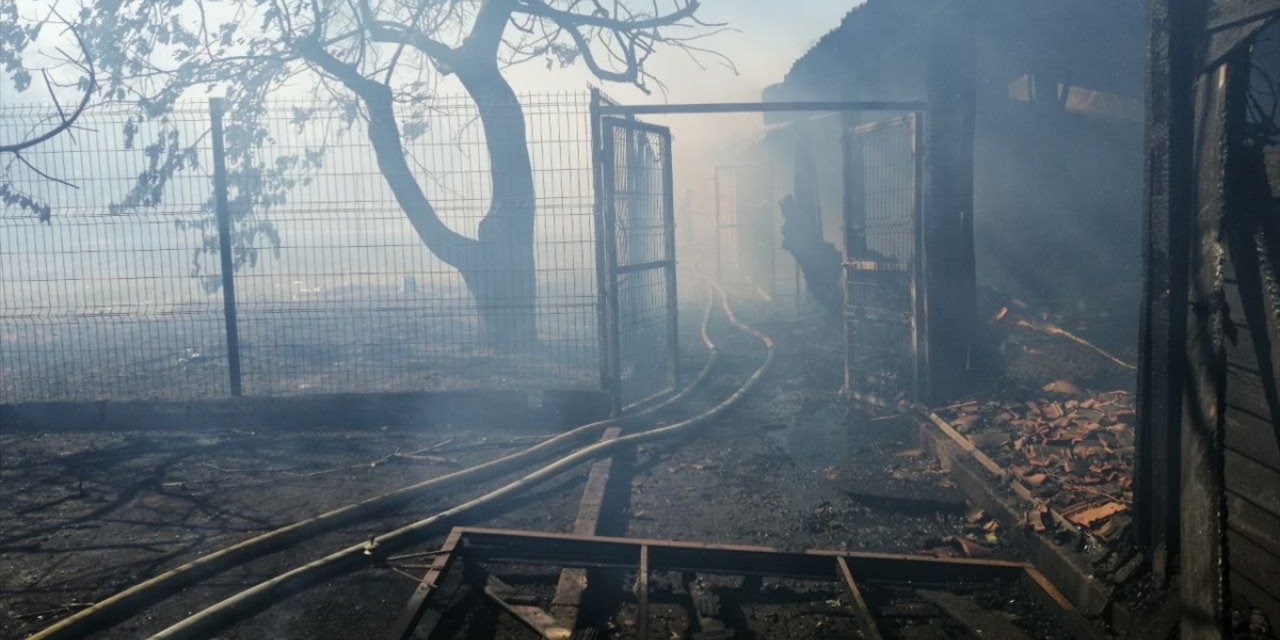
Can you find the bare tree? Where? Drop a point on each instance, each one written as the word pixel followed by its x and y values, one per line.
pixel 15 37
pixel 379 54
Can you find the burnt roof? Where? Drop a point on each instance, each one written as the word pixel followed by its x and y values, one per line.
pixel 880 47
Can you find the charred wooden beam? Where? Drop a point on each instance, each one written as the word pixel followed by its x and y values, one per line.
pixel 567 603
pixel 642 595
pixel 866 623
pixel 1171 73
pixel 412 615
pixel 1218 110
pixel 949 274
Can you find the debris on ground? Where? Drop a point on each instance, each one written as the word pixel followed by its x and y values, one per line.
pixel 1073 449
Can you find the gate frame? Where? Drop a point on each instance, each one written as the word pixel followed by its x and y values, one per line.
pixel 610 270
pixel 853 186
pixel 947 201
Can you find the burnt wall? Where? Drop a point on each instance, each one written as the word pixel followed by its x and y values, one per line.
pixel 1058 199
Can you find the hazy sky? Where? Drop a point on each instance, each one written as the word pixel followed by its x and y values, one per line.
pixel 770 35
pixel 766 37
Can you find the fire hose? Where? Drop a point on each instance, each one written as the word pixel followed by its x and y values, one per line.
pixel 264 594
pixel 125 603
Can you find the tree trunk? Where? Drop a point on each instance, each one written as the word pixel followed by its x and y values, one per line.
pixel 818 259
pixel 501 275
pixel 498 264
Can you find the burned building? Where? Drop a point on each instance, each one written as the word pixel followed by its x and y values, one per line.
pixel 1057 141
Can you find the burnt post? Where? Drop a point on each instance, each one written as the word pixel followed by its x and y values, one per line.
pixel 949 274
pixel 1171 74
pixel 1202 502
pixel 217 109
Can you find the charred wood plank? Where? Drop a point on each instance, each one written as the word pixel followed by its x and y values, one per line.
pixel 407 623
pixel 567 603
pixel 866 623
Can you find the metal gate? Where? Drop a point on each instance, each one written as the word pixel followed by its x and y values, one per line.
pixel 639 252
pixel 884 342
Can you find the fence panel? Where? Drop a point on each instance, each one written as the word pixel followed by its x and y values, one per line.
pixel 101 301
pixel 640 236
pixel 119 295
pixel 354 300
pixel 883 346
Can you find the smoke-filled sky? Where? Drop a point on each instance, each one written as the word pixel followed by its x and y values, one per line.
pixel 766 37
pixel 763 38
pixel 769 35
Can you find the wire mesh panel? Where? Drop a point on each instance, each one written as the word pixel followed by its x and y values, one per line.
pixel 345 282
pixel 99 299
pixel 882 261
pixel 746 225
pixel 361 294
pixel 640 252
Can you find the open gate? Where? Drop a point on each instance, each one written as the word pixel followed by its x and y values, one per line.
pixel 885 353
pixel 638 225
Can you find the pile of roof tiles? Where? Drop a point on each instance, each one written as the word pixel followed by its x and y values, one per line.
pixel 1071 449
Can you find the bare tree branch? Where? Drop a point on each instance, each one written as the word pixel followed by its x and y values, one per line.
pixel 602 20
pixel 65 121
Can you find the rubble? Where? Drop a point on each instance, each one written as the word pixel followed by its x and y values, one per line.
pixel 1069 452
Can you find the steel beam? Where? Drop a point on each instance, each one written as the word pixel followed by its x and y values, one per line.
pixel 646 556
pixel 763 107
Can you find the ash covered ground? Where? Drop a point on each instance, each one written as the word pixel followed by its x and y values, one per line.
pixel 88 514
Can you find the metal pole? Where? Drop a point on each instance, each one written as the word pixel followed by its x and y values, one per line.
pixel 614 317
pixel 764 107
pixel 719 275
pixel 770 230
pixel 849 230
pixel 602 273
pixel 669 221
pixel 217 108
pixel 919 346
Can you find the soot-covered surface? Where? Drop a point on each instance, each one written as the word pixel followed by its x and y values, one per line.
pixel 87 514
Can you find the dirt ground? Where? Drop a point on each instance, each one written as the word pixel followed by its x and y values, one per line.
pixel 84 515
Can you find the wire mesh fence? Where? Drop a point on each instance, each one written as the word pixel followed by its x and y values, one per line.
pixel 98 302
pixel 344 281
pixel 881 266
pixel 640 218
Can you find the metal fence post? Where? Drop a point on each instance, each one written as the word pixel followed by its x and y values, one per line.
pixel 602 272
pixel 612 301
pixel 718 229
pixel 669 242
pixel 217 108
